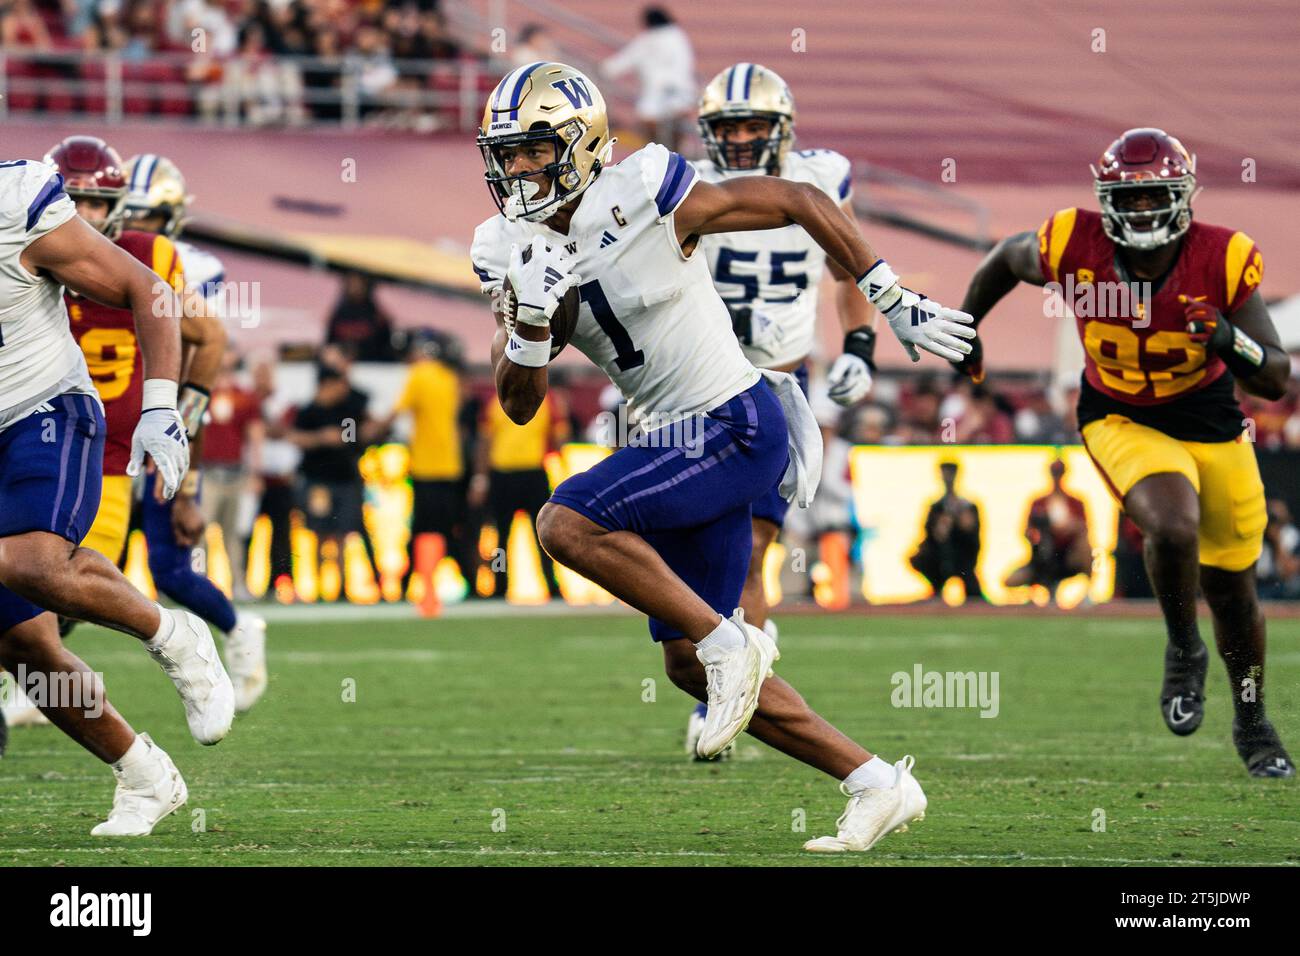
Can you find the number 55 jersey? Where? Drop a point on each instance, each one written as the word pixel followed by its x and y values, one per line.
pixel 650 316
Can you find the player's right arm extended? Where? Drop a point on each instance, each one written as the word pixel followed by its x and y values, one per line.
pixel 1011 261
pixel 84 261
pixel 89 264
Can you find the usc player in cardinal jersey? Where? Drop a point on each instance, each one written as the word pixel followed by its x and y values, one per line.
pixel 1157 407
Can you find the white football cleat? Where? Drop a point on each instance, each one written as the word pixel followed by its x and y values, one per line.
pixel 873 814
pixel 20 711
pixel 246 658
pixel 137 810
pixel 770 629
pixel 694 727
pixel 734 681
pixel 190 659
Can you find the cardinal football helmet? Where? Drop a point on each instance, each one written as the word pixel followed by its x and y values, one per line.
pixel 92 169
pixel 1140 160
pixel 544 103
pixel 741 92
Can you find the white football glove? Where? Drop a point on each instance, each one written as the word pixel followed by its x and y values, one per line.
pixel 915 319
pixel 160 434
pixel 540 283
pixel 850 377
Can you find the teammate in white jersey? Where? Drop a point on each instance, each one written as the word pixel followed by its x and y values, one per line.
pixel 770 280
pixel 664 522
pixel 156 202
pixel 51 446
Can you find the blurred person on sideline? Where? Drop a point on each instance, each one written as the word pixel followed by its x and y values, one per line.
pixel 1057 531
pixel 359 324
pixel 534 45
pixel 277 475
pixel 510 473
pixel 662 57
pixel 333 431
pixel 951 545
pixel 232 465
pixel 1278 570
pixel 431 398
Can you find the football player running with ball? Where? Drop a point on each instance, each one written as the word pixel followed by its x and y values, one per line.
pixel 770 279
pixel 664 523
pixel 1157 408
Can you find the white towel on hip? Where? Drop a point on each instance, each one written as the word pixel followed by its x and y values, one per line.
pixel 802 475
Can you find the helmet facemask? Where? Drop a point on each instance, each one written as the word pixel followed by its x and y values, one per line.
pixel 761 153
pixel 520 196
pixel 1128 227
pixel 111 224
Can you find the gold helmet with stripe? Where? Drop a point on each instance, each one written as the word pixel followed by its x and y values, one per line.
pixel 155 187
pixel 741 92
pixel 551 104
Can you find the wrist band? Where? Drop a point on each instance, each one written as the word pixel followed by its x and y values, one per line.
pixel 862 343
pixel 527 353
pixel 158 393
pixel 1245 357
pixel 193 405
pixel 880 285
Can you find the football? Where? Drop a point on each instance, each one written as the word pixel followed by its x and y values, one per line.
pixel 563 321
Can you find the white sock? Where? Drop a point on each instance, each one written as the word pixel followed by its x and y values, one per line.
pixel 769 628
pixel 167 624
pixel 136 766
pixel 724 638
pixel 875 774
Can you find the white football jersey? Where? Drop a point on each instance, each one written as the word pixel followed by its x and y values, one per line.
pixel 650 316
pixel 39 358
pixel 203 271
pixel 777 271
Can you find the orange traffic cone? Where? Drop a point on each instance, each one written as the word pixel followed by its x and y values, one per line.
pixel 429 551
pixel 835 555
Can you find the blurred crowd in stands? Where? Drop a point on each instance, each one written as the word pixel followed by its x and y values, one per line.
pixel 272 61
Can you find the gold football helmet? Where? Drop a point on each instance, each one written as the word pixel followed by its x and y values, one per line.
pixel 741 92
pixel 544 103
pixel 156 187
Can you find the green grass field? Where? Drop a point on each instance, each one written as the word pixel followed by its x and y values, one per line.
pixel 525 740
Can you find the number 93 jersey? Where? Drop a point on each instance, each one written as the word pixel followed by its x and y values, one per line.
pixel 650 317
pixel 777 271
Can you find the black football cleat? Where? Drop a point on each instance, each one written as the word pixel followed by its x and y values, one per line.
pixel 1262 750
pixel 1182 698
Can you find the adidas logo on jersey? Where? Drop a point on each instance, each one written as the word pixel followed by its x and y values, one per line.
pixel 42 407
pixel 608 239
